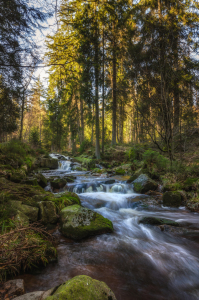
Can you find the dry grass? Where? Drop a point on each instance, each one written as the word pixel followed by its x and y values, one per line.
pixel 24 248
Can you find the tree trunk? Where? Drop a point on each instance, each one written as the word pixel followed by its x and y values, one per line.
pixel 97 133
pixel 114 108
pixel 22 116
pixel 103 96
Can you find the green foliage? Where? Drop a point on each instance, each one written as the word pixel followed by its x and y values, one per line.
pixel 14 146
pixel 84 146
pixel 151 157
pixel 136 152
pixel 34 137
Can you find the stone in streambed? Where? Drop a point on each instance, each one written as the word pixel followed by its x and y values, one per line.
pixel 143 184
pixel 42 181
pixel 58 183
pixel 158 221
pixel 173 199
pixel 47 212
pixel 79 222
pixel 83 288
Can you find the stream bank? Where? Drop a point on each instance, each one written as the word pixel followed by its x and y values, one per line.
pixel 143 260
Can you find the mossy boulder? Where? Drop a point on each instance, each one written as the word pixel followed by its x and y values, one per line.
pixel 50 163
pixel 21 218
pixel 158 221
pixel 120 171
pixel 42 181
pixel 79 222
pixel 173 199
pixel 135 175
pixel 58 183
pixel 83 288
pixel 144 184
pixel 18 176
pixel 30 211
pixel 47 212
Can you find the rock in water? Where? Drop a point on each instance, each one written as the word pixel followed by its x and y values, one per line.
pixel 79 222
pixel 83 288
pixel 143 184
pixel 158 221
pixel 173 199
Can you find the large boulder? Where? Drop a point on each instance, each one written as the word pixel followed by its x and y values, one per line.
pixel 173 199
pixel 50 163
pixel 47 212
pixel 78 222
pixel 144 184
pixel 83 288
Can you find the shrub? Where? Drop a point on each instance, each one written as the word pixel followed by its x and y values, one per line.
pixel 155 158
pixel 84 146
pixel 14 146
pixel 34 137
pixel 136 152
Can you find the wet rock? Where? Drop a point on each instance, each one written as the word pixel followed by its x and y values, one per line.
pixel 158 221
pixel 143 184
pixel 79 222
pixel 41 180
pixel 47 212
pixel 58 183
pixel 84 288
pixel 135 175
pixel 173 199
pixel 51 163
pixel 110 181
pixel 13 288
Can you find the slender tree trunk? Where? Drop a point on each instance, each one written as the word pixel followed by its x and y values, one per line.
pixel 97 127
pixel 82 119
pixel 114 114
pixel 103 95
pixel 22 117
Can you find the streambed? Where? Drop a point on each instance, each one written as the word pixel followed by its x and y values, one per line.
pixel 137 261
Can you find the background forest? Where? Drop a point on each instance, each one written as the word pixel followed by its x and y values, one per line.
pixel 120 72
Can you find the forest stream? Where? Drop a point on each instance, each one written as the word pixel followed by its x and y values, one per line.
pixel 137 261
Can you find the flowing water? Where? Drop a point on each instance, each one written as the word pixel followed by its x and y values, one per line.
pixel 137 261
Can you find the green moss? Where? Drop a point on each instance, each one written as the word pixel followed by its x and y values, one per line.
pixel 120 171
pixel 172 199
pixel 78 222
pixel 83 288
pixel 138 187
pixel 158 221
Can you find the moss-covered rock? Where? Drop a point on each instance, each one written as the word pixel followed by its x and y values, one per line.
pixel 18 176
pixel 135 175
pixel 83 288
pixel 41 180
pixel 173 199
pixel 47 212
pixel 79 222
pixel 21 218
pixel 143 184
pixel 158 221
pixel 30 211
pixel 120 171
pixel 58 183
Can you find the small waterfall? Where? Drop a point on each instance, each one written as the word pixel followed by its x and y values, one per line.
pixel 65 165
